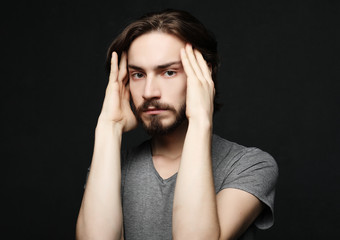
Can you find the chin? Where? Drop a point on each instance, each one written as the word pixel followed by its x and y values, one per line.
pixel 162 125
pixel 159 127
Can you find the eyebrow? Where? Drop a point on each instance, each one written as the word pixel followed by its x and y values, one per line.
pixel 162 66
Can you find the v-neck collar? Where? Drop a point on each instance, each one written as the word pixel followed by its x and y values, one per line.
pixel 152 166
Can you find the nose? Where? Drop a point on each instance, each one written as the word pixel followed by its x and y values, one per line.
pixel 151 89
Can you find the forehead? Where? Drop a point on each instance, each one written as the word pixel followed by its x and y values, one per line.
pixel 154 48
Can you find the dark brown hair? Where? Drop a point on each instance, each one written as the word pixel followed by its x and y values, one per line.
pixel 176 22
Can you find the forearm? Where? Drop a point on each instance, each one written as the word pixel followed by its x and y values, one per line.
pixel 194 210
pixel 100 215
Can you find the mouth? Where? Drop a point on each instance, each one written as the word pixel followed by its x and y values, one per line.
pixel 154 110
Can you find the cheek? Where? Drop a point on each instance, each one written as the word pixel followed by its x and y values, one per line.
pixel 177 91
pixel 136 88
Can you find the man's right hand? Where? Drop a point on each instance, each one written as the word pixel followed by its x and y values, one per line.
pixel 116 108
pixel 100 215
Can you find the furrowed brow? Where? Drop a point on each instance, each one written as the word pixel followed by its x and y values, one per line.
pixel 166 65
pixel 135 67
pixel 162 66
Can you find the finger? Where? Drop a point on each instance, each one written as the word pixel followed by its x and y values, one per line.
pixel 114 68
pixel 122 68
pixel 204 66
pixel 193 62
pixel 186 65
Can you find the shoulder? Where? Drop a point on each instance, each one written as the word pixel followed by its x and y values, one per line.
pixel 249 169
pixel 225 152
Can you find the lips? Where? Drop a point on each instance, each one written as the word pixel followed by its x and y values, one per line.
pixel 154 110
pixel 153 107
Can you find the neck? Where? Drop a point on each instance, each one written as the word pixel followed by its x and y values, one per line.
pixel 170 145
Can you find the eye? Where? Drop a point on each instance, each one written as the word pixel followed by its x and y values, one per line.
pixel 137 75
pixel 169 73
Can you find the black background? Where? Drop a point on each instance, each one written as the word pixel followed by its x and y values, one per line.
pixel 278 83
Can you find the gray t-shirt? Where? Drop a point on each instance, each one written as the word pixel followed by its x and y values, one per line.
pixel 147 198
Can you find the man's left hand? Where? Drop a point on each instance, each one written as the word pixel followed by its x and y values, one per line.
pixel 200 86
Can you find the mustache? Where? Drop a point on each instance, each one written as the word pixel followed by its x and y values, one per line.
pixel 156 104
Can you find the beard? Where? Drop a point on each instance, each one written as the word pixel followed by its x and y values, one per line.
pixel 155 126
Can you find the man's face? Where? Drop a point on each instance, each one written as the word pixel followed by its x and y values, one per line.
pixel 157 81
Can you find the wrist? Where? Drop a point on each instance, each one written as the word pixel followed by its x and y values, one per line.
pixel 201 124
pixel 108 127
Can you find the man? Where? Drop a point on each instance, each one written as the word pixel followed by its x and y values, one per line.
pixel 185 182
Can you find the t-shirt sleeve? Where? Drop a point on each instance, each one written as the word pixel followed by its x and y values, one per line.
pixel 256 172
